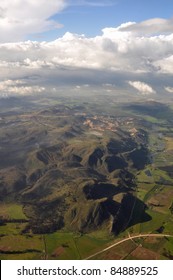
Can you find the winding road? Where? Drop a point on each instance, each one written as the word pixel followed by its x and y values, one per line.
pixel 129 238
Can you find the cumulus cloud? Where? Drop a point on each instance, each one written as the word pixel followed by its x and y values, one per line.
pixel 169 89
pixel 165 63
pixel 142 87
pixel 115 56
pixel 151 26
pixel 18 87
pixel 114 50
pixel 20 18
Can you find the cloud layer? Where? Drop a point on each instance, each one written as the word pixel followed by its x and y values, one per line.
pixel 120 56
pixel 114 50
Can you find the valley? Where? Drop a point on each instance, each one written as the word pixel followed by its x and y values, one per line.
pixel 78 176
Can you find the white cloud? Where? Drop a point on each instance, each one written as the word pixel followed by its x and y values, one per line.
pixel 18 87
pixel 165 64
pixel 151 26
pixel 169 89
pixel 142 87
pixel 114 50
pixel 22 17
pixel 118 55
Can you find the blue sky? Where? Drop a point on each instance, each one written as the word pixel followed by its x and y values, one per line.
pixel 126 45
pixel 90 17
pixel 48 20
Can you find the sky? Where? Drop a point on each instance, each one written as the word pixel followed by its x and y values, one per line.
pixel 84 44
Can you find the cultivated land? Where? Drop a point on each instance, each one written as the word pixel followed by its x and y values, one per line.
pixel 84 178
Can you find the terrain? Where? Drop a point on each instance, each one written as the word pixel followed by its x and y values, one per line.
pixel 79 175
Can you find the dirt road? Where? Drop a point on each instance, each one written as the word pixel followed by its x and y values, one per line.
pixel 129 238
